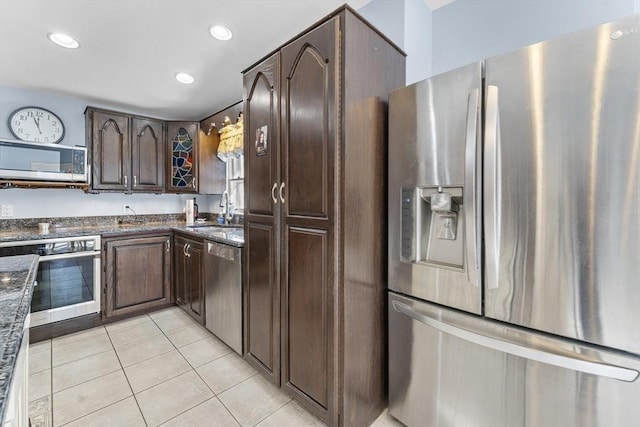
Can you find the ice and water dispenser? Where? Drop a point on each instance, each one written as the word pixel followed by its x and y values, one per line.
pixel 432 226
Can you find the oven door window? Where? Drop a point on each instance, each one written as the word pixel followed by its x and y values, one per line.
pixel 63 282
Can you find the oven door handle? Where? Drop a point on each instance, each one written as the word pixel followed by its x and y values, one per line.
pixel 68 255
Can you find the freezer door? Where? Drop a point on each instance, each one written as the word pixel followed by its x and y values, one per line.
pixel 449 369
pixel 434 189
pixel 562 186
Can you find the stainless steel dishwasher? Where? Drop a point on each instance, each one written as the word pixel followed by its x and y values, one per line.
pixel 223 293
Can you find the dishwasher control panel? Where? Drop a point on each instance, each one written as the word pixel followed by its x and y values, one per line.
pixel 223 251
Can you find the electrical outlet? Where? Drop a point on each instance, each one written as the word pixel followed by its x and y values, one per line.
pixel 7 211
pixel 125 209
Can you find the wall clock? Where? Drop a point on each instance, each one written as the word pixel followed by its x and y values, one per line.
pixel 35 124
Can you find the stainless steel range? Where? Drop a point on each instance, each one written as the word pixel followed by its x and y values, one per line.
pixel 68 280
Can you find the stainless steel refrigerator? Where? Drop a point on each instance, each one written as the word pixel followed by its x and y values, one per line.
pixel 514 238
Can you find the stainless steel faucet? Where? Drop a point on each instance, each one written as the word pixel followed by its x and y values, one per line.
pixel 226 204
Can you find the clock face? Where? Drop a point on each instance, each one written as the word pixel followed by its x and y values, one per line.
pixel 35 124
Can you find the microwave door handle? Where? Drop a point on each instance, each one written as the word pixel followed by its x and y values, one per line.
pixel 492 185
pixel 472 192
pixel 561 360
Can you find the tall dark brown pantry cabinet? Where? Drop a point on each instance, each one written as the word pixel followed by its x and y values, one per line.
pixel 315 216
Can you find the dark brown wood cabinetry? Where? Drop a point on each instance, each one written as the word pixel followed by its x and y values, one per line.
pixel 189 276
pixel 262 219
pixel 127 152
pixel 182 157
pixel 137 274
pixel 110 150
pixel 147 159
pixel 316 219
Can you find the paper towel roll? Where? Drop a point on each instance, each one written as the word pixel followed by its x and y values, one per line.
pixel 188 211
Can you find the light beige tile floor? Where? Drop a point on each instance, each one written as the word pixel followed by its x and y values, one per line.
pixel 157 369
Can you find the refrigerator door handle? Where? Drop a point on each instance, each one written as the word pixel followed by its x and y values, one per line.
pixel 472 191
pixel 562 361
pixel 492 184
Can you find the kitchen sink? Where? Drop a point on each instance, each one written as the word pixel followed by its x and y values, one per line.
pixel 230 234
pixel 212 227
pixel 213 224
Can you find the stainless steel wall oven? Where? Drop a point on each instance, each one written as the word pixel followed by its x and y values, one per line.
pixel 68 280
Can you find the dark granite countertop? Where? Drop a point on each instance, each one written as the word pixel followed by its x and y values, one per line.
pixel 17 274
pixel 229 235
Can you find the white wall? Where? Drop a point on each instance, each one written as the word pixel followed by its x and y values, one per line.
pixel 40 203
pixel 388 17
pixel 28 203
pixel 408 24
pixel 417 40
pixel 469 30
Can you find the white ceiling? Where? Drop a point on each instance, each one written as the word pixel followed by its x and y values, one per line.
pixel 131 49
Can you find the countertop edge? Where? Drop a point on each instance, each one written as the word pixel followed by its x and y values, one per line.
pixel 108 231
pixel 11 347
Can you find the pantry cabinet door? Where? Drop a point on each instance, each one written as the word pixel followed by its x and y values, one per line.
pixel 262 217
pixel 309 148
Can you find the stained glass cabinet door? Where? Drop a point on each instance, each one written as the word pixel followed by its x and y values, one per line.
pixel 182 140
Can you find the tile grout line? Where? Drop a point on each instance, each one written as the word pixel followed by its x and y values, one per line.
pixel 75 385
pixel 187 410
pixel 127 378
pixel 192 369
pixel 92 412
pixel 76 360
pixel 78 342
pixel 99 409
pixel 215 396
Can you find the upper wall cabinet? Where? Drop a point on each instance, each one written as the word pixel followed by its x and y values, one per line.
pixel 147 155
pixel 127 152
pixel 212 178
pixel 182 157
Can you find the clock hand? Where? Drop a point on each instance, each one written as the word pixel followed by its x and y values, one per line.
pixel 37 124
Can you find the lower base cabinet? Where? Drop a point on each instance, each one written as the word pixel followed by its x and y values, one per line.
pixel 189 276
pixel 137 273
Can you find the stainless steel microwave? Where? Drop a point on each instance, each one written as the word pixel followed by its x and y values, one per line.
pixel 42 162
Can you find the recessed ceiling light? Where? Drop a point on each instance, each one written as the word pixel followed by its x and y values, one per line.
pixel 64 40
pixel 185 78
pixel 220 32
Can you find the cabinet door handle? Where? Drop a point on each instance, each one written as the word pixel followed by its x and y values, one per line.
pixel 193 182
pixel 184 249
pixel 273 193
pixel 282 192
pixel 168 245
pixel 125 181
pixel 188 248
pixel 135 181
